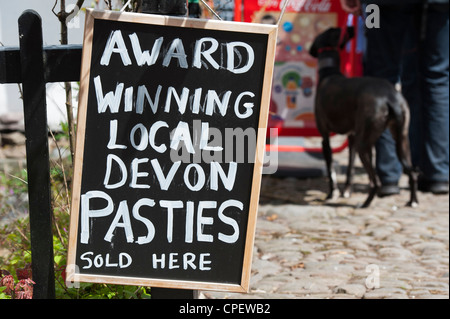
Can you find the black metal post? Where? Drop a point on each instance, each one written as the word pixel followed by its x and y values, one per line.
pixel 167 293
pixel 36 132
pixel 62 63
pixel 173 8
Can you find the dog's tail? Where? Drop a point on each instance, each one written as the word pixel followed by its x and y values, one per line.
pixel 399 126
pixel 399 113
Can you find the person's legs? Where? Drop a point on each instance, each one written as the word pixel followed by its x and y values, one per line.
pixel 383 60
pixel 411 81
pixel 434 159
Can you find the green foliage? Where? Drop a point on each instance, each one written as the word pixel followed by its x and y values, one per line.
pixel 3 294
pixel 13 190
pixel 15 239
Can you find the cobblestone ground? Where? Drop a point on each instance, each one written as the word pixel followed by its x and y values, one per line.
pixel 305 248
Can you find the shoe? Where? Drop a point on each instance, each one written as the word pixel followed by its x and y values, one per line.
pixel 437 188
pixel 388 190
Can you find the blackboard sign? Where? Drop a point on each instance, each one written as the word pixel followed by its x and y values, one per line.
pixel 170 139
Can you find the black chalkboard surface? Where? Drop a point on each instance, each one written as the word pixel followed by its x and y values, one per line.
pixel 171 130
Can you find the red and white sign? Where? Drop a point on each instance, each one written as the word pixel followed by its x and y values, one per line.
pixel 305 6
pixel 295 73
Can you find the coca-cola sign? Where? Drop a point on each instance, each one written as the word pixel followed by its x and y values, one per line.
pixel 310 6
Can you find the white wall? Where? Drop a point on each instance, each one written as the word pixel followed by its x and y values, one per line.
pixel 10 11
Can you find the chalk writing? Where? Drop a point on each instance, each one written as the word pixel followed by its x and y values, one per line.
pixel 163 192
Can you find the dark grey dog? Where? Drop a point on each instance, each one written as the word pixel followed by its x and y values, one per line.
pixel 360 107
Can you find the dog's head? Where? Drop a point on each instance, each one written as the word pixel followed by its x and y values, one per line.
pixel 333 39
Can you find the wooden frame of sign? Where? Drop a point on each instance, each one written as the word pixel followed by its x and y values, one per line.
pixel 160 198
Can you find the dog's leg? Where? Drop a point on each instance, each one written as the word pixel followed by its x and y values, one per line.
pixel 351 160
pixel 365 153
pixel 327 153
pixel 400 136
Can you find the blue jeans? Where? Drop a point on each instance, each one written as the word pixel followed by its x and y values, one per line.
pixel 415 54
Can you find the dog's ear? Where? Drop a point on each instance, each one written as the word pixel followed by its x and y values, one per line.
pixel 314 50
pixel 349 34
pixel 321 40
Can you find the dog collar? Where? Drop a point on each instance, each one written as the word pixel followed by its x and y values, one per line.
pixel 340 43
pixel 324 49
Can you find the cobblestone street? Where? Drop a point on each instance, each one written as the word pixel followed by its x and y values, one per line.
pixel 305 248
